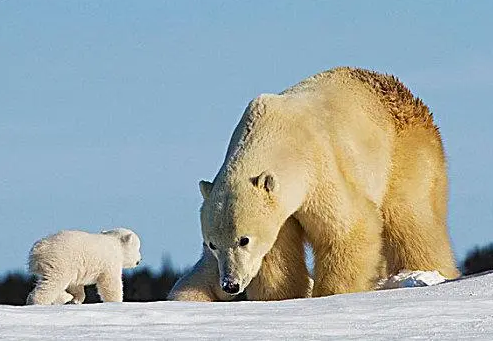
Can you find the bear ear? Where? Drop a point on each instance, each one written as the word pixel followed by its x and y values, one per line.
pixel 266 181
pixel 205 188
pixel 126 238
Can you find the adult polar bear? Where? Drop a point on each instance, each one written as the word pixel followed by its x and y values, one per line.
pixel 353 157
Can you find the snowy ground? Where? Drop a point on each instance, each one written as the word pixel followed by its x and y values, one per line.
pixel 461 309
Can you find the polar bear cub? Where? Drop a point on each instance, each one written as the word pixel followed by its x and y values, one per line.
pixel 68 260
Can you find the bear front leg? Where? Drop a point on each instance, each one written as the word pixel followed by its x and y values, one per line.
pixel 110 287
pixel 349 261
pixel 283 274
pixel 201 283
pixel 77 291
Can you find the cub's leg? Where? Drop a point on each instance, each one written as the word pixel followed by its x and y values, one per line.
pixel 110 287
pixel 49 291
pixel 63 298
pixel 77 291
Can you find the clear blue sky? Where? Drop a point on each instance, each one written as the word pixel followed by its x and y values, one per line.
pixel 112 111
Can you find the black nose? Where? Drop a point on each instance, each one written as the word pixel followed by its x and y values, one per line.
pixel 230 287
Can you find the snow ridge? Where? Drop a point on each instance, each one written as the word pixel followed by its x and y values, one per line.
pixel 454 310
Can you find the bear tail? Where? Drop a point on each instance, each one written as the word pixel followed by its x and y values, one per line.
pixel 37 260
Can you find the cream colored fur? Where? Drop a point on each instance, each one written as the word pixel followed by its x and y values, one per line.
pixel 67 261
pixel 283 273
pixel 356 159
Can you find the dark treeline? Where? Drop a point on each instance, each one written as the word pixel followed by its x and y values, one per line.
pixel 478 260
pixel 144 285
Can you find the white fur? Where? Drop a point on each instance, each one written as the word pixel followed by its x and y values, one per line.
pixel 68 260
pixel 356 159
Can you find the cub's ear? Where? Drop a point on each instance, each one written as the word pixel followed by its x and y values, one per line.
pixel 266 181
pixel 127 238
pixel 205 188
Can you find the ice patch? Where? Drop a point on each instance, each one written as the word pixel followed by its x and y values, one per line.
pixel 409 279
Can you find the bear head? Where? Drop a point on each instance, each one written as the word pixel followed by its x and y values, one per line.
pixel 240 219
pixel 130 243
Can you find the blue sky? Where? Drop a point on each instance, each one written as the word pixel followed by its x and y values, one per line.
pixel 112 111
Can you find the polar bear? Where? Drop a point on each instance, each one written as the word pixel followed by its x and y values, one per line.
pixel 356 160
pixel 68 260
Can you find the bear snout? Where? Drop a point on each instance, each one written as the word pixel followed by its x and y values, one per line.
pixel 230 287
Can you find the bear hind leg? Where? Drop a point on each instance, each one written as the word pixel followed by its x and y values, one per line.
pixel 63 298
pixel 48 291
pixel 78 293
pixel 415 207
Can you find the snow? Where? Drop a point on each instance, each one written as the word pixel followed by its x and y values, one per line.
pixel 461 309
pixel 410 279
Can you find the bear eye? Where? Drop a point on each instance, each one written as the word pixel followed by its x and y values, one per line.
pixel 212 246
pixel 244 241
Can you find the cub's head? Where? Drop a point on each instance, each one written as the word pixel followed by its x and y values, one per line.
pixel 240 221
pixel 130 243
